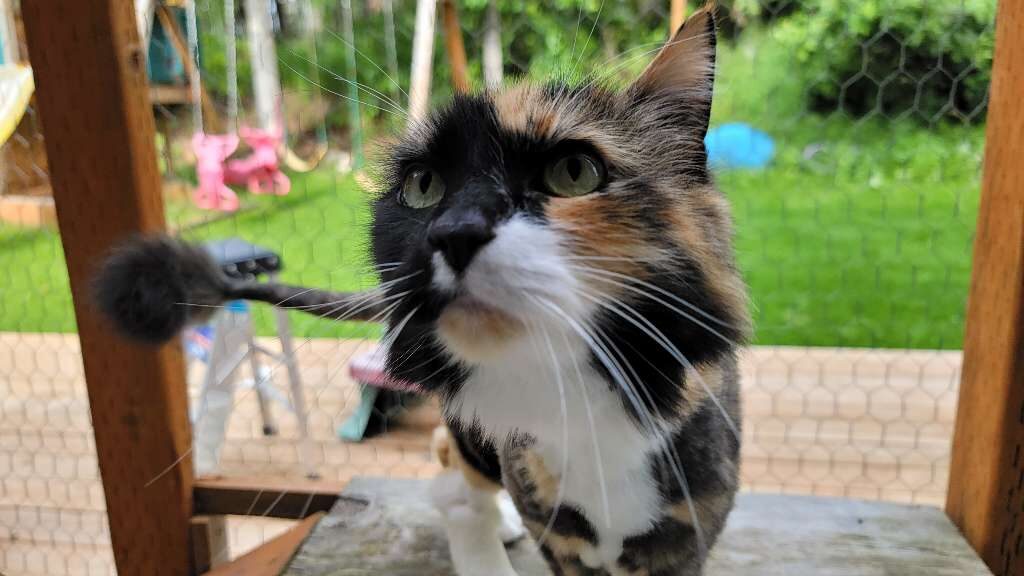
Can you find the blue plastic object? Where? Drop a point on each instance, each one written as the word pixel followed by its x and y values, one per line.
pixel 354 427
pixel 199 342
pixel 199 339
pixel 738 145
pixel 165 66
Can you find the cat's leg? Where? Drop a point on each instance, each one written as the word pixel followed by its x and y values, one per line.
pixel 512 528
pixel 467 495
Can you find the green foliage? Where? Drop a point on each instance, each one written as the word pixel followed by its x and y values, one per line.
pixel 539 40
pixel 926 60
pixel 858 234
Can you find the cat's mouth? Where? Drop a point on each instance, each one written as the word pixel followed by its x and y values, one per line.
pixel 476 330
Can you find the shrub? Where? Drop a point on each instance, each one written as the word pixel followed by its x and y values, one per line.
pixel 927 60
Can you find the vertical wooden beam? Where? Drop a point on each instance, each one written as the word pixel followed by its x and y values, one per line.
pixel 211 118
pixel 90 75
pixel 422 59
pixel 391 49
pixel 355 117
pixel 677 15
pixel 9 33
pixel 209 542
pixel 493 67
pixel 454 46
pixel 986 487
pixel 266 80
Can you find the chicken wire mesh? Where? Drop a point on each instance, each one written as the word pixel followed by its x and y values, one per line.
pixel 854 237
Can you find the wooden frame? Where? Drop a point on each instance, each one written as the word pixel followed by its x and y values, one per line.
pixel 986 487
pixel 677 15
pixel 454 46
pixel 93 101
pixel 257 497
pixel 90 71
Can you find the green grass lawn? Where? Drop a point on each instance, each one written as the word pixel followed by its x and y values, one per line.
pixel 859 233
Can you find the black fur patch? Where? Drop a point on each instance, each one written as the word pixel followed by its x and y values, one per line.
pixel 669 542
pixel 640 336
pixel 476 450
pixel 702 441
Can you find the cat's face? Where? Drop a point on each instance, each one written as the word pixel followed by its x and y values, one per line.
pixel 534 207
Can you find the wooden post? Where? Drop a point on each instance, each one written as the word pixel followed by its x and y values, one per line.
pixel 266 81
pixel 9 33
pixel 209 542
pixel 422 59
pixel 391 48
pixel 454 46
pixel 492 46
pixel 90 73
pixel 355 119
pixel 677 15
pixel 144 12
pixel 986 494
pixel 210 117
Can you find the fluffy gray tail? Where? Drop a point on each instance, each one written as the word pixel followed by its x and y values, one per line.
pixel 152 287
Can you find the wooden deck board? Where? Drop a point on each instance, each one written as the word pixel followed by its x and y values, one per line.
pixel 767 535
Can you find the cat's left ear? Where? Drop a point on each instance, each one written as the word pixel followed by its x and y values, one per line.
pixel 685 66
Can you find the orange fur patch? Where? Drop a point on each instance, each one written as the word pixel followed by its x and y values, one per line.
pixel 476 331
pixel 692 219
pixel 600 242
pixel 525 110
pixel 707 507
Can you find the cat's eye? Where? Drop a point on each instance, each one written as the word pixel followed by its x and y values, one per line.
pixel 574 175
pixel 422 188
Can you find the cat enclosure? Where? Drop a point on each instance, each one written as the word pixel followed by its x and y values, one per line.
pixel 855 238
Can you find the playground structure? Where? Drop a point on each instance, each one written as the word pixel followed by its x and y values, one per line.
pixel 94 187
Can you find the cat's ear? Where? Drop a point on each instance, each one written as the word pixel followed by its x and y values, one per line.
pixel 685 66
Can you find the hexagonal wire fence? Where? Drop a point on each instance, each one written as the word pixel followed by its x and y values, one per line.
pixel 853 177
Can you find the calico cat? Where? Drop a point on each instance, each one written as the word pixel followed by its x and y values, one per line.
pixel 563 280
pixel 574 302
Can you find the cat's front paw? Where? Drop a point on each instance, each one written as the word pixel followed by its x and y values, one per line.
pixel 448 491
pixel 511 528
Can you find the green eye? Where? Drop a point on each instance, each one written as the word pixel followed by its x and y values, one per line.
pixel 422 188
pixel 574 175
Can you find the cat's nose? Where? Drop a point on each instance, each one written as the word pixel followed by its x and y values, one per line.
pixel 460 233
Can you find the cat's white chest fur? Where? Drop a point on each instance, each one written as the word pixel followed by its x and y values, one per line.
pixel 545 386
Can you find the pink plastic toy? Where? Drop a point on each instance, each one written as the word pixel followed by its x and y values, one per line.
pixel 211 152
pixel 260 170
pixel 368 369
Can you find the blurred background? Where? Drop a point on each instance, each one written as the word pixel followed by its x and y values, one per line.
pixel 847 136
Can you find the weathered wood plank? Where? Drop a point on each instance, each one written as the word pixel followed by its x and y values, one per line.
pixel 209 542
pixel 293 499
pixel 986 496
pixel 398 533
pixel 90 71
pixel 270 558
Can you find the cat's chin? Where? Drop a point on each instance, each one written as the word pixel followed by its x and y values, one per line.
pixel 477 332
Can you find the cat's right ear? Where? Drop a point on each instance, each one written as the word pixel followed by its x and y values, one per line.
pixel 685 66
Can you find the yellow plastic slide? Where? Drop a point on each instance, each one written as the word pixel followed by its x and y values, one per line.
pixel 16 87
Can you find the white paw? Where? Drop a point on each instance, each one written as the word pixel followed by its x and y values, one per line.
pixel 469 518
pixel 448 490
pixel 590 558
pixel 511 528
